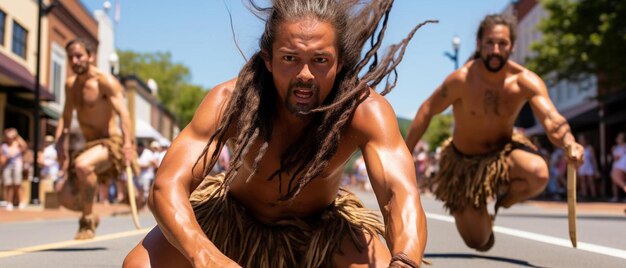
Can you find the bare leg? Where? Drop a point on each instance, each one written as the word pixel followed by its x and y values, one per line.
pixel 376 255
pixel 155 251
pixel 592 186
pixel 529 177
pixel 583 186
pixel 9 194
pixel 17 189
pixel 86 165
pixel 474 226
pixel 619 178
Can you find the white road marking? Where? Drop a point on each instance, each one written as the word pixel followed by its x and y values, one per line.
pixel 20 251
pixel 543 238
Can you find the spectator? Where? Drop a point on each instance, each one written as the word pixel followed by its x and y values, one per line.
pixel 13 150
pixel 588 172
pixel 557 173
pixel 618 170
pixel 49 167
pixel 147 163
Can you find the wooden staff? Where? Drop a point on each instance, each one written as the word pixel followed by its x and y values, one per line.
pixel 571 199
pixel 131 197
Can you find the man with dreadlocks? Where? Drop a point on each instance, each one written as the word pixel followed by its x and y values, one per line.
pixel 485 158
pixel 293 117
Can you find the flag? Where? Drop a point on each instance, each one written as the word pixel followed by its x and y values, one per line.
pixel 116 17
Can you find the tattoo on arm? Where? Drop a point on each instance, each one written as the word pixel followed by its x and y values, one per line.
pixel 491 102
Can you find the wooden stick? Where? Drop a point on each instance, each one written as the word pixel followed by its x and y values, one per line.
pixel 571 200
pixel 131 197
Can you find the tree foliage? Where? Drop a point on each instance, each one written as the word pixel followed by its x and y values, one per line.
pixel 439 130
pixel 175 89
pixel 580 38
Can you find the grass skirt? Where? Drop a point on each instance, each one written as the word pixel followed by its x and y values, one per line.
pixel 291 242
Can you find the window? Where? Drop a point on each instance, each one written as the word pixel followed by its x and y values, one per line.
pixel 56 79
pixel 19 40
pixel 58 72
pixel 2 19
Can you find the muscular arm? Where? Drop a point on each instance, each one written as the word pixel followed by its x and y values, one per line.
pixel 392 175
pixel 63 126
pixel 441 99
pixel 556 126
pixel 114 89
pixel 174 184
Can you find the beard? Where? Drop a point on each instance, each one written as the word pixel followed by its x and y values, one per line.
pixel 79 69
pixel 502 59
pixel 295 107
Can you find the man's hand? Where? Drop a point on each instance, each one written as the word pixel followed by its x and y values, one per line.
pixel 401 260
pixel 201 260
pixel 127 150
pixel 574 152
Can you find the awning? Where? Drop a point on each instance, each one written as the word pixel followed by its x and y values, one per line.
pixel 21 79
pixel 49 112
pixel 143 130
pixel 570 114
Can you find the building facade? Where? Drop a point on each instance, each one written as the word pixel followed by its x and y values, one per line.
pixel 591 110
pixel 18 55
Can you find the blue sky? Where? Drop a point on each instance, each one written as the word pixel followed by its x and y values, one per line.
pixel 198 34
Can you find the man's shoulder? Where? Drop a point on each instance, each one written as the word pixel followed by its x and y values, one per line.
pixel 527 79
pixel 458 77
pixel 220 94
pixel 374 110
pixel 225 88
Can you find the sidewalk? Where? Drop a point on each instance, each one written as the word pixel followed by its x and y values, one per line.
pixel 583 207
pixel 38 213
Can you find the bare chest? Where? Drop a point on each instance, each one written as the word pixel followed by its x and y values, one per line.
pixel 89 96
pixel 500 103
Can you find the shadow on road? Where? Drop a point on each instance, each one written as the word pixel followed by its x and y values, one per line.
pixel 555 216
pixel 75 249
pixel 474 256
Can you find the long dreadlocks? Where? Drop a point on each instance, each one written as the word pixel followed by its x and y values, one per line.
pixel 252 105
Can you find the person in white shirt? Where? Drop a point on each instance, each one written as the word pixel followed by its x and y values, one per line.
pixel 618 170
pixel 49 167
pixel 147 163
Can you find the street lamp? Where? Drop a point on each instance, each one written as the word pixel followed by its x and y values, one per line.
pixel 42 10
pixel 456 44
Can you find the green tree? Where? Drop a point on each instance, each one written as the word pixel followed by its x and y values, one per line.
pixel 581 38
pixel 187 102
pixel 439 130
pixel 175 89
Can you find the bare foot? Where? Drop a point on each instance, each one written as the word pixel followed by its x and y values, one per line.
pixel 87 227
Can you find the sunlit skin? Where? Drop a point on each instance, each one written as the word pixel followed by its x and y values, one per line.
pixel 98 101
pixel 485 105
pixel 304 52
pixel 495 48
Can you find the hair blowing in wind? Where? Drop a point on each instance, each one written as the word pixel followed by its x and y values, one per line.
pixel 253 104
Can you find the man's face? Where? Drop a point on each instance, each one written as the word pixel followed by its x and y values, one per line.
pixel 79 58
pixel 495 47
pixel 304 63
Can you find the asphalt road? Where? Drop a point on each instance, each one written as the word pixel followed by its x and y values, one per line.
pixel 527 235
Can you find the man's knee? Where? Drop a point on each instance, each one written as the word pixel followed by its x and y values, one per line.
pixel 374 255
pixel 133 260
pixel 541 175
pixel 483 243
pixel 83 169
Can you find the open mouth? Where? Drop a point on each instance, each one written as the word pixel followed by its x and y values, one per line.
pixel 303 95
